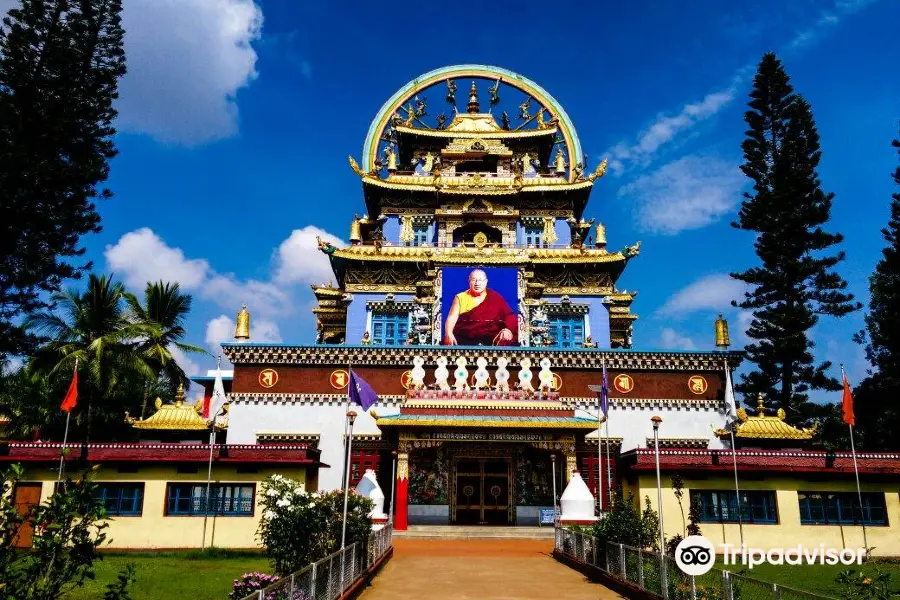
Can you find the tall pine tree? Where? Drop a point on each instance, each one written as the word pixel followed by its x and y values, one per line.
pixel 795 281
pixel 878 396
pixel 60 62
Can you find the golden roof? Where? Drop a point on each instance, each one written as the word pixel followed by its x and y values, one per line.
pixel 764 427
pixel 486 255
pixel 483 184
pixel 175 417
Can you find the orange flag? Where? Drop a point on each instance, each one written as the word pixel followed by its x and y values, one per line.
pixel 71 398
pixel 849 417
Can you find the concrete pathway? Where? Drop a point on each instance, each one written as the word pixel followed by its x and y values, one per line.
pixel 479 569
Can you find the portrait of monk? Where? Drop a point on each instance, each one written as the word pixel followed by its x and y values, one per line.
pixel 479 316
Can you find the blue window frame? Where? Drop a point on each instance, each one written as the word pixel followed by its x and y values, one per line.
pixel 420 236
pixel 567 331
pixel 389 329
pixel 229 499
pixel 121 499
pixel 757 506
pixel 841 508
pixel 534 236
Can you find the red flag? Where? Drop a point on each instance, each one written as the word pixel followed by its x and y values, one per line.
pixel 71 398
pixel 849 417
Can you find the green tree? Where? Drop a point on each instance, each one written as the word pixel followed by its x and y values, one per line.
pixel 68 530
pixel 161 317
pixel 876 397
pixel 60 63
pixel 795 281
pixel 93 328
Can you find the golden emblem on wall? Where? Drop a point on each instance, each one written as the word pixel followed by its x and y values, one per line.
pixel 339 379
pixel 557 382
pixel 406 380
pixel 697 384
pixel 268 378
pixel 480 239
pixel 623 383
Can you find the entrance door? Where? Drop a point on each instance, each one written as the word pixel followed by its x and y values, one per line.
pixel 26 496
pixel 482 491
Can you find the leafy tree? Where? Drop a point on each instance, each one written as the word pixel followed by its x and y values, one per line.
pixel 795 282
pixel 68 530
pixel 94 329
pixel 876 398
pixel 60 63
pixel 625 524
pixel 161 317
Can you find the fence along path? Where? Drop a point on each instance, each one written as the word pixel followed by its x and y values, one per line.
pixel 498 569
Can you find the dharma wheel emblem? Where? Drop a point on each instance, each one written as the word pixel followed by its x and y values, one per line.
pixel 268 378
pixel 623 383
pixel 406 380
pixel 480 239
pixel 339 379
pixel 697 384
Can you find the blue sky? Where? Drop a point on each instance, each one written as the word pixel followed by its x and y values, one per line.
pixel 236 120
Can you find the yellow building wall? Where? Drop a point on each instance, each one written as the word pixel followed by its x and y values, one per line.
pixel 155 530
pixel 788 532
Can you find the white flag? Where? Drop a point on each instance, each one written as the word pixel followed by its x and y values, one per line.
pixel 218 396
pixel 730 407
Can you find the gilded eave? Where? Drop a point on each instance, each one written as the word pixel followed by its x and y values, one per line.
pixel 483 186
pixel 451 132
pixel 511 256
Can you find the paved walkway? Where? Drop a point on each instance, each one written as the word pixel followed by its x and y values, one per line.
pixel 483 569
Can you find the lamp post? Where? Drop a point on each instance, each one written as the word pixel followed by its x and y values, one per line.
pixel 662 538
pixel 351 417
pixel 555 506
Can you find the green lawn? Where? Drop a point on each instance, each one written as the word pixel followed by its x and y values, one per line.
pixel 818 579
pixel 170 575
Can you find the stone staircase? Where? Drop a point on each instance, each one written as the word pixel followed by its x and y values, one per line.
pixel 470 532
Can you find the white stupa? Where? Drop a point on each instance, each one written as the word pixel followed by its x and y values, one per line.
pixel 368 487
pixel 577 503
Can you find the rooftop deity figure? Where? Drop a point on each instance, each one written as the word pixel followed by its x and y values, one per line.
pixel 480 316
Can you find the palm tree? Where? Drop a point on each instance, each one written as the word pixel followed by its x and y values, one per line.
pixel 161 318
pixel 93 328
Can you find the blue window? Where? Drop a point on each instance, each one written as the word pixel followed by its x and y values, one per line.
pixel 121 499
pixel 567 331
pixel 841 508
pixel 227 499
pixel 420 236
pixel 534 236
pixel 757 506
pixel 389 329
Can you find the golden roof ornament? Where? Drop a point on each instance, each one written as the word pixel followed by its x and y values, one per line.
pixel 764 427
pixel 355 231
pixel 179 395
pixel 560 162
pixel 600 237
pixel 473 106
pixel 392 158
pixel 599 172
pixel 722 338
pixel 242 329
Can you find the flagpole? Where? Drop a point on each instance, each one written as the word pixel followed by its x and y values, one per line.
pixel 62 451
pixel 212 446
pixel 346 410
pixel 608 467
pixel 862 515
pixel 600 420
pixel 737 489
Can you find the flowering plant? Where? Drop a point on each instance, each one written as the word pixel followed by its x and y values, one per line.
pixel 299 527
pixel 249 583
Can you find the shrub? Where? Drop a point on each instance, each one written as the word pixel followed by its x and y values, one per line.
pixel 298 527
pixel 249 583
pixel 624 524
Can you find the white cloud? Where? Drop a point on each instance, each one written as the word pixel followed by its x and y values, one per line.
pixel 827 19
pixel 141 256
pixel 669 339
pixel 221 329
pixel 260 296
pixel 689 193
pixel 711 293
pixel 187 59
pixel 298 259
pixel 189 366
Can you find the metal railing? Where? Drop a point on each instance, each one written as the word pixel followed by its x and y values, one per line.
pixel 330 577
pixel 659 575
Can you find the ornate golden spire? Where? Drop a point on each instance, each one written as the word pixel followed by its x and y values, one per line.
pixel 760 405
pixel 473 106
pixel 600 238
pixel 392 159
pixel 242 330
pixel 179 395
pixel 722 339
pixel 355 231
pixel 560 162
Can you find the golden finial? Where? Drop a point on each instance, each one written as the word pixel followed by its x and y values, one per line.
pixel 560 162
pixel 179 395
pixel 392 159
pixel 473 106
pixel 242 330
pixel 722 339
pixel 760 406
pixel 355 231
pixel 158 403
pixel 600 237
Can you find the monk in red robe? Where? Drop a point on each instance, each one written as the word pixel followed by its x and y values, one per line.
pixel 480 317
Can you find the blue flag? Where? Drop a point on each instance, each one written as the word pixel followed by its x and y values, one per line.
pixel 604 393
pixel 361 392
